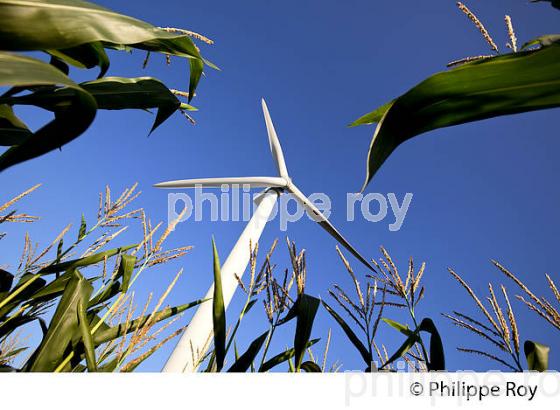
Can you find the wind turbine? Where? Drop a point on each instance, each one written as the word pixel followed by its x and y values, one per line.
pixel 197 337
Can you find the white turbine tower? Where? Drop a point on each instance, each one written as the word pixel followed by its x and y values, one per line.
pixel 198 335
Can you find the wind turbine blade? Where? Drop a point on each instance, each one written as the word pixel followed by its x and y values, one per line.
pixel 253 182
pixel 326 225
pixel 274 142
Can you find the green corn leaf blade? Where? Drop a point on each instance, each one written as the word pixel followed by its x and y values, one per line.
pixel 64 24
pixel 437 355
pixel 242 314
pixel 87 339
pixel 118 93
pixel 126 268
pixel 51 290
pixel 111 93
pixel 13 353
pixel 8 326
pixel 83 229
pixel 27 285
pixel 306 310
pixel 311 367
pixel 282 357
pixel 197 67
pixel 364 352
pixel 400 327
pixel 6 281
pixel 63 328
pixel 218 312
pixel 59 250
pixel 23 71
pixel 507 84
pixel 86 55
pixel 372 117
pixel 536 355
pixel 70 121
pixel 243 363
pixel 86 261
pixel 110 290
pixel 12 130
pixel 404 348
pixel 106 333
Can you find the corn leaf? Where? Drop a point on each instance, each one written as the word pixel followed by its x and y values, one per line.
pixel 244 361
pixel 86 55
pixel 107 333
pixel 306 307
pixel 507 84
pixel 536 355
pixel 87 339
pixel 311 367
pixel 126 268
pixel 364 352
pixel 12 130
pixel 86 261
pixel 218 312
pixel 282 357
pixel 70 120
pixel 64 326
pixel 65 24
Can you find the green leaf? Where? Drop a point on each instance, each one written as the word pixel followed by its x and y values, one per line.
pixel 110 290
pixel 306 308
pixel 70 120
pixel 537 355
pixel 12 130
pixel 126 268
pixel 311 367
pixel 63 24
pixel 52 290
pixel 372 117
pixel 87 339
pixel 404 348
pixel 64 327
pixel 243 363
pixel 19 71
pixel 112 93
pixel 106 333
pixel 6 281
pixel 218 312
pixel 118 93
pixel 282 357
pixel 27 285
pixel 366 356
pixel 88 260
pixel 437 356
pixel 86 55
pixel 400 327
pixel 507 84
pixel 196 72
pixel 83 228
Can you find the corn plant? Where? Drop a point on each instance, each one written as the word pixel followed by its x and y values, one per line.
pixel 406 294
pixel 78 33
pixel 475 88
pixel 88 289
pixel 499 328
pixel 281 306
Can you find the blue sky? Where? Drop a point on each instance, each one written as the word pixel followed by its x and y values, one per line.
pixel 482 191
